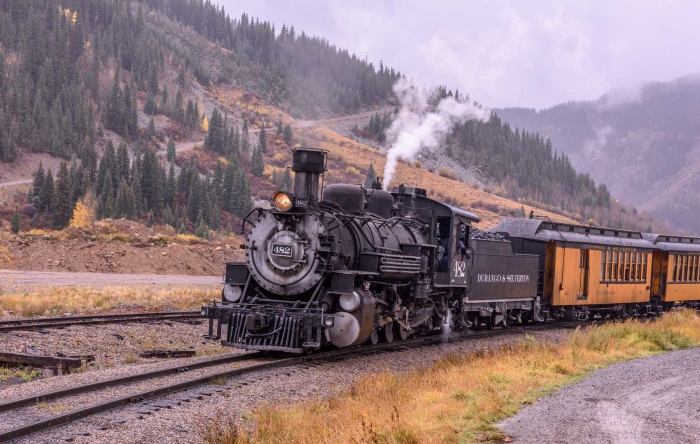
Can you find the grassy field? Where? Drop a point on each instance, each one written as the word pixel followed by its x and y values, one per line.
pixel 461 397
pixel 52 301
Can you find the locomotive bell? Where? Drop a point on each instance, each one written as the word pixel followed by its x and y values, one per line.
pixel 308 164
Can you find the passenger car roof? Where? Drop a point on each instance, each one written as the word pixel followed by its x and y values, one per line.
pixel 673 243
pixel 548 231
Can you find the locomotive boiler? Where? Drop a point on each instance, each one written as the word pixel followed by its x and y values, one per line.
pixel 363 265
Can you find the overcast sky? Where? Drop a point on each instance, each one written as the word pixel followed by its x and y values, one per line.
pixel 533 53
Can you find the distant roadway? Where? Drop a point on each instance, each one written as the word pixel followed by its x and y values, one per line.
pixel 18 280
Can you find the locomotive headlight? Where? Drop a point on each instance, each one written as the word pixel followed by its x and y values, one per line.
pixel 282 201
pixel 328 321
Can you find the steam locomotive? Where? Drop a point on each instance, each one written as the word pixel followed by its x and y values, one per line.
pixel 364 265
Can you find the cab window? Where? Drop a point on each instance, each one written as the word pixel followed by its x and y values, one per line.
pixel 443 243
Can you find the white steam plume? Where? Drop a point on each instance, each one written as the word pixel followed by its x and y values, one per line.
pixel 418 127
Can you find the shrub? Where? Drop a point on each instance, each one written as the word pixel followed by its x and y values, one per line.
pixel 449 174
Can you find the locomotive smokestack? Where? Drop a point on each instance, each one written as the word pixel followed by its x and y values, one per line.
pixel 308 164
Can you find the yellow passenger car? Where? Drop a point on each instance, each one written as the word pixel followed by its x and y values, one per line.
pixel 585 270
pixel 675 268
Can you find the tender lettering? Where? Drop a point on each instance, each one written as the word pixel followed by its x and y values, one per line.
pixel 503 278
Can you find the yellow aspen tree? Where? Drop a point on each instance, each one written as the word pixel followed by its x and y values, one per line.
pixel 85 212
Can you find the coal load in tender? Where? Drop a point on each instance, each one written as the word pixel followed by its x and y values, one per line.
pixel 485 235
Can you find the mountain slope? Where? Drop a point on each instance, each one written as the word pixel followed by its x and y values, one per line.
pixel 643 144
pixel 111 83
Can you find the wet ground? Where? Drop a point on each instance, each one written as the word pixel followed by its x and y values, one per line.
pixel 652 400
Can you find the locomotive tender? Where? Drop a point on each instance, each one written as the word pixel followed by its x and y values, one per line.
pixel 362 265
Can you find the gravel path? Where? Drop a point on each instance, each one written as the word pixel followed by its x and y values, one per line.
pixel 180 418
pixel 18 280
pixel 651 400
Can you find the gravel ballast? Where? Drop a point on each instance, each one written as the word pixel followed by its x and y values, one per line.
pixel 650 400
pixel 181 417
pixel 112 344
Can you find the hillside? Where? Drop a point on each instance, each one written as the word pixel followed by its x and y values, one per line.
pixel 171 114
pixel 643 144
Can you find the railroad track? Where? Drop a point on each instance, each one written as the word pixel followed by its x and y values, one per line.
pixel 133 398
pixel 40 323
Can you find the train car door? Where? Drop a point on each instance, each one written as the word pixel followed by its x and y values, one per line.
pixel 584 274
pixel 659 265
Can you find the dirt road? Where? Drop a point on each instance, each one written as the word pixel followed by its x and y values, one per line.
pixel 15 182
pixel 18 280
pixel 652 400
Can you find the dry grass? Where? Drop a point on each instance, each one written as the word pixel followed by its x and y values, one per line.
pixel 50 301
pixel 20 373
pixel 459 398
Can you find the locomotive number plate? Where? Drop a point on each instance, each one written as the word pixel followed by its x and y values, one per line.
pixel 283 250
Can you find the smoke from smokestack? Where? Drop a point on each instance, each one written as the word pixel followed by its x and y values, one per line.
pixel 417 127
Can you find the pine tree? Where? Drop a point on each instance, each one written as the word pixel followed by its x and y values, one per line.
pixel 263 140
pixel 124 202
pixel 274 178
pixel 214 140
pixel 169 196
pixel 257 164
pixel 164 100
pixel 151 132
pixel 38 182
pixel 245 140
pixel 15 222
pixel 171 150
pixel 194 200
pixel 122 162
pixel 47 192
pixel 114 118
pixel 227 185
pixel 149 107
pixel 280 127
pixel 106 205
pixel 150 220
pixel 370 177
pixel 183 229
pixel 286 184
pixel 288 136
pixel 168 216
pixel 241 200
pixel 181 76
pixel 201 230
pixel 178 111
pixel 62 207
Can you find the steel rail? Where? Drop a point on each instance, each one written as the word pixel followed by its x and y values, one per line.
pixel 30 324
pixel 398 345
pixel 50 396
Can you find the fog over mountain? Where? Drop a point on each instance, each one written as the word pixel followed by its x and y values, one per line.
pixel 506 52
pixel 643 143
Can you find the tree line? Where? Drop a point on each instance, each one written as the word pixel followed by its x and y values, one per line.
pixel 141 187
pixel 526 164
pixel 308 72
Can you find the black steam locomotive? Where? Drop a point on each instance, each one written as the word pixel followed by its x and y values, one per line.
pixel 366 265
